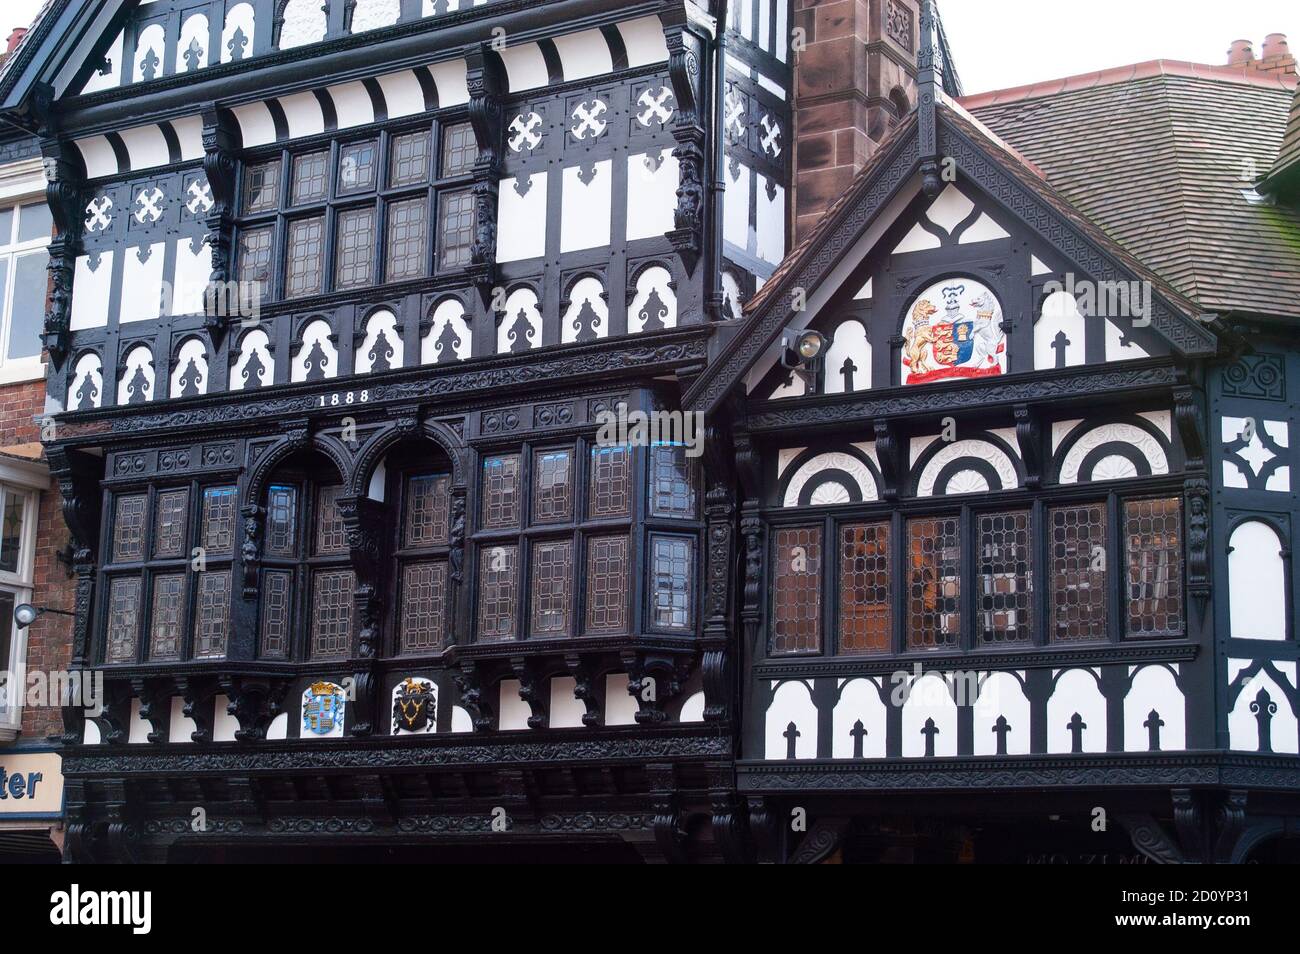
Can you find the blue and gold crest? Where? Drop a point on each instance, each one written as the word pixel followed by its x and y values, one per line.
pixel 323 705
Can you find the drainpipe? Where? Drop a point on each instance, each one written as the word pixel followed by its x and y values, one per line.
pixel 713 298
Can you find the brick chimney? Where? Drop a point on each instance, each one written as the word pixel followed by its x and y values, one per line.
pixel 1275 56
pixel 855 79
pixel 15 38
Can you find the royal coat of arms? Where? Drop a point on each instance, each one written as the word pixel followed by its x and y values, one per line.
pixel 954 331
pixel 323 706
pixel 415 706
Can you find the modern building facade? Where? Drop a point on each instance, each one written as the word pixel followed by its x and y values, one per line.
pixel 663 431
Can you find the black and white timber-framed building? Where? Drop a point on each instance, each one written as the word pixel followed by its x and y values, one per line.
pixel 361 574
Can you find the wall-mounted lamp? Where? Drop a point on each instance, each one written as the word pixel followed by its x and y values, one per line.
pixel 25 613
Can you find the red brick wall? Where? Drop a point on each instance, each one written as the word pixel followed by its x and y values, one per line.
pixel 49 646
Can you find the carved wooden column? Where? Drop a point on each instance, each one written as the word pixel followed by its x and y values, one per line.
pixel 487 84
pixel 720 516
pixel 365 526
pixel 65 174
pixel 686 70
pixel 221 142
pixel 78 475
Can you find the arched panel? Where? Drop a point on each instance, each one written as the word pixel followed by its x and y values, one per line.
pixel 381 348
pixel 1155 713
pixel 791 723
pixel 859 721
pixel 1257 584
pixel 1002 716
pixel 1076 713
pixel 929 718
pixel 449 338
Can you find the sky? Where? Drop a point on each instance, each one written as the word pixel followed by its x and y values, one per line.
pixel 1002 43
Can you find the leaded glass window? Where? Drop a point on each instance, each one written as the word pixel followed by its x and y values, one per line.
pixel 866 598
pixel 459 150
pixel 358 162
pixel 331 535
pixel 310 177
pixel 607 585
pixel 672 571
pixel 552 588
pixel 409 159
pixel 1153 533
pixel 173 513
pixel 498 592
pixel 408 232
pixel 455 228
pixel 355 248
pixel 123 619
pixel 262 187
pixel 214 614
pixel 277 589
pixel 797 606
pixel 331 618
pixel 255 252
pixel 933 583
pixel 1006 581
pixel 672 491
pixel 611 481
pixel 128 528
pixel 552 486
pixel 1077 553
pixel 501 492
pixel 167 626
pixel 282 520
pixel 428 510
pixel 306 258
pixel 424 604
pixel 218 523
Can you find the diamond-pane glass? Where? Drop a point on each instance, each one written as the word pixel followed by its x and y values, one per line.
pixel 310 177
pixel 797 603
pixel 552 588
pixel 277 585
pixel 123 619
pixel 1006 581
pixel 672 493
pixel 408 232
pixel 409 159
pixel 1153 534
pixel 331 536
pixel 281 520
pixel 166 626
pixel 866 602
pixel 933 583
pixel 262 187
pixel 552 486
pixel 1078 572
pixel 218 533
pixel 169 524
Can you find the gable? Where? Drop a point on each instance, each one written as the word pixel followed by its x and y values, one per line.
pixel 999 199
pixel 957 288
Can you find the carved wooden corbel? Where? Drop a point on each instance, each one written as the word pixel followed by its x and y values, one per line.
pixel 686 73
pixel 670 835
pixel 486 81
pixel 221 140
pixel 474 696
pixel 585 689
pixel 65 174
pixel 888 457
pixel 155 697
pixel 1029 437
pixel 533 690
pixel 1191 426
pixel 198 693
pixel 653 680
pixel 254 702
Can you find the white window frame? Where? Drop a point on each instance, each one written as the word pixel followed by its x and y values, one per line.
pixel 21 183
pixel 28 478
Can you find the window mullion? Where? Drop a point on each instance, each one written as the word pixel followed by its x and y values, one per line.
pixel 1116 571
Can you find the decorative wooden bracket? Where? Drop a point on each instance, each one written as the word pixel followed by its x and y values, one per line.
pixel 532 690
pixel 474 697
pixel 254 702
pixel 584 689
pixel 887 455
pixel 1029 437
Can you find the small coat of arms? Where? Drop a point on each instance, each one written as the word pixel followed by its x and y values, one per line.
pixel 964 340
pixel 323 706
pixel 415 706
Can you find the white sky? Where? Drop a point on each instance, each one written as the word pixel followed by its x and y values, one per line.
pixel 1001 43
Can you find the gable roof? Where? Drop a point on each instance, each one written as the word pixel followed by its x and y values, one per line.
pixel 1163 156
pixel 1284 177
pixel 995 167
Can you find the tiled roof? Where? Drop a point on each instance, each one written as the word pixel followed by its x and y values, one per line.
pixel 1163 156
pixel 1288 157
pixel 31 38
